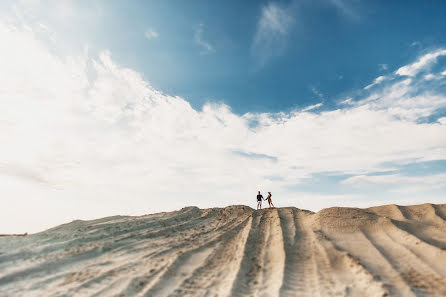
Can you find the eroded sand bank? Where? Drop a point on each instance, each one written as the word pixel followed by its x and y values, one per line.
pixel 235 251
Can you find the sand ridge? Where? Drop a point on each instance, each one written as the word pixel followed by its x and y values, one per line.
pixel 387 250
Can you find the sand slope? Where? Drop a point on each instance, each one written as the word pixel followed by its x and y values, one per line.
pixel 381 251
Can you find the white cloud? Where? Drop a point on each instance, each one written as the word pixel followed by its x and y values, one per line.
pixel 347 101
pixel 80 147
pixel 422 63
pixel 406 99
pixel 206 47
pixel 395 179
pixel 272 29
pixel 377 81
pixel 311 107
pixel 402 184
pixel 429 76
pixel 346 8
pixel 151 34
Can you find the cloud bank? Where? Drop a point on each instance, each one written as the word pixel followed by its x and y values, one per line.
pixel 84 137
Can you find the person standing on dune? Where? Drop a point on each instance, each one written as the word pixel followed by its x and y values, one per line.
pixel 270 202
pixel 259 200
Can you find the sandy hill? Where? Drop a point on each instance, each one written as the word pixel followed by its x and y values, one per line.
pixel 235 251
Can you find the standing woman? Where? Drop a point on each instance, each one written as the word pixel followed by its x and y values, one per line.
pixel 270 202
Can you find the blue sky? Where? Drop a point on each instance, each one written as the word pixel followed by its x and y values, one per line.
pixel 327 48
pixel 114 107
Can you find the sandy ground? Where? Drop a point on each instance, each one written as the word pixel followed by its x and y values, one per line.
pixel 236 251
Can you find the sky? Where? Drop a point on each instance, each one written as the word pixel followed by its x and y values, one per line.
pixel 135 107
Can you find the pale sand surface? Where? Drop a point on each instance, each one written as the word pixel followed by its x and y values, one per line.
pixel 235 251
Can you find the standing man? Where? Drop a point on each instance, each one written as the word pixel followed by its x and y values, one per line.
pixel 259 200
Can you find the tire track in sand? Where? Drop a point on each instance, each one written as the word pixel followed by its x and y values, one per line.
pixel 261 270
pixel 354 278
pixel 307 268
pixel 360 247
pixel 209 239
pixel 422 279
pixel 218 272
pixel 427 252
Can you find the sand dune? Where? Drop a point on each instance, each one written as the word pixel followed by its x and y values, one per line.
pixel 235 251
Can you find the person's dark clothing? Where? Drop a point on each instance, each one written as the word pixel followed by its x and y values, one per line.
pixel 259 197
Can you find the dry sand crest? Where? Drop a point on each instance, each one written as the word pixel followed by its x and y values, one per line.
pixel 235 251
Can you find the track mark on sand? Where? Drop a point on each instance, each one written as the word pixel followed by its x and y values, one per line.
pixel 179 271
pixel 414 271
pixel 426 251
pixel 261 269
pixel 216 275
pixel 353 277
pixel 360 247
pixel 307 268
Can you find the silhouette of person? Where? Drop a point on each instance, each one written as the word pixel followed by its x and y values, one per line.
pixel 270 202
pixel 259 200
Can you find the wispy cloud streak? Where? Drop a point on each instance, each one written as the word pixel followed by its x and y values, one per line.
pixel 151 34
pixel 421 64
pixel 311 107
pixel 377 81
pixel 272 29
pixel 346 8
pixel 206 47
